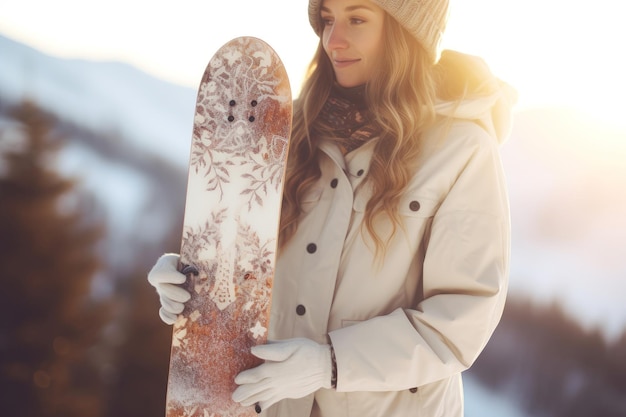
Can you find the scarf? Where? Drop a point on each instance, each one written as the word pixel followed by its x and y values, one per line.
pixel 346 119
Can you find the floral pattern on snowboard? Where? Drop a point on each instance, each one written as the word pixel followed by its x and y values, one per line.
pixel 239 146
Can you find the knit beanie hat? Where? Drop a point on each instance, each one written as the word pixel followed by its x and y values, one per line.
pixel 424 19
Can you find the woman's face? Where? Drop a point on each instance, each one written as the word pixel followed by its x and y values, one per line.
pixel 353 39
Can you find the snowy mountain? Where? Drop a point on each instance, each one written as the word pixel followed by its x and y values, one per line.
pixel 103 97
pixel 129 142
pixel 127 138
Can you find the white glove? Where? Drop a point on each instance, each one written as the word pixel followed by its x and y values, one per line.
pixel 164 277
pixel 293 368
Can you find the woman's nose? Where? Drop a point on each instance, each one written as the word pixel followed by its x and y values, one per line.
pixel 336 36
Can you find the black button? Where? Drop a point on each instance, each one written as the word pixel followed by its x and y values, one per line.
pixel 361 172
pixel 253 103
pixel 251 118
pixel 300 310
pixel 414 205
pixel 232 103
pixel 311 248
pixel 413 390
pixel 231 118
pixel 334 183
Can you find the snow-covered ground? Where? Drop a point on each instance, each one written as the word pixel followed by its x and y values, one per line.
pixel 482 402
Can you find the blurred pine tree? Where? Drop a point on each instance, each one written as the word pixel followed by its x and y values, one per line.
pixel 552 365
pixel 49 327
pixel 142 358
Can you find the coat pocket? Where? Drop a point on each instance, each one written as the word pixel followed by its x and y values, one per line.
pixel 417 205
pixel 412 204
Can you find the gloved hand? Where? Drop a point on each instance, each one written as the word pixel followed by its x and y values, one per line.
pixel 164 276
pixel 293 368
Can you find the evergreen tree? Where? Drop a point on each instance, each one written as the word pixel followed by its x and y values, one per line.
pixel 49 326
pixel 142 362
pixel 143 356
pixel 555 366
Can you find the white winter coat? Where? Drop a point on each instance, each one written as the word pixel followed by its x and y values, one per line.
pixel 404 330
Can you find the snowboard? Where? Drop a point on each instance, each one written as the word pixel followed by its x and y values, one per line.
pixel 239 145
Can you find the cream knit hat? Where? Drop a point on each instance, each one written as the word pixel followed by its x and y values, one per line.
pixel 424 19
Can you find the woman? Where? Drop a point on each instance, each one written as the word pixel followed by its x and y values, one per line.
pixel 394 239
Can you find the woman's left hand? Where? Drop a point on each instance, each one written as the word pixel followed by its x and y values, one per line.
pixel 293 368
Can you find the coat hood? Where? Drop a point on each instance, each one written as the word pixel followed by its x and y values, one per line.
pixel 470 91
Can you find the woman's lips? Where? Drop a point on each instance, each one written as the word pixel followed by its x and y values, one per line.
pixel 344 62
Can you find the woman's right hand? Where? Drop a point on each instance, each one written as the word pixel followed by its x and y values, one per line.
pixel 166 279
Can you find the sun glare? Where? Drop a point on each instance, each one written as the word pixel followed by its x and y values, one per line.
pixel 556 53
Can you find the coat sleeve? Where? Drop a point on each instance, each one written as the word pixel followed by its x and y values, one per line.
pixel 465 277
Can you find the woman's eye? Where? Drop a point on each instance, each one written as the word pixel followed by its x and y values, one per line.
pixel 329 21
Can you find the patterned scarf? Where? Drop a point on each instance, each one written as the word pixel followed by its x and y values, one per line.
pixel 346 119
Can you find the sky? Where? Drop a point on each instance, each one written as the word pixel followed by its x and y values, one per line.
pixel 554 52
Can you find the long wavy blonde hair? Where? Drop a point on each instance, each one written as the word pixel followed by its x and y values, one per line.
pixel 401 96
